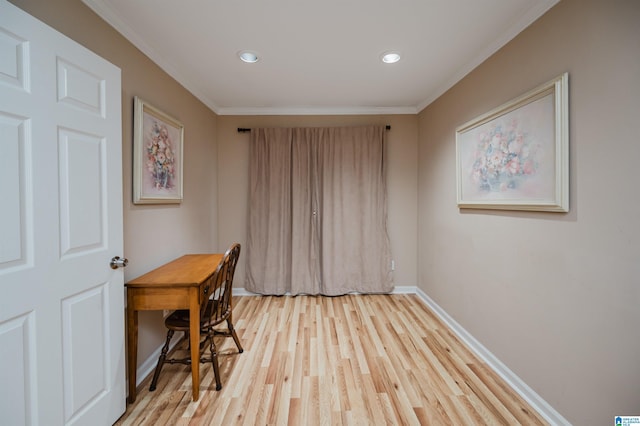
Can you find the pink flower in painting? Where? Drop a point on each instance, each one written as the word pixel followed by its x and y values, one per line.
pixel 513 167
pixel 495 160
pixel 503 158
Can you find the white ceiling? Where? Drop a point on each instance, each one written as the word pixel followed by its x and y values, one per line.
pixel 318 57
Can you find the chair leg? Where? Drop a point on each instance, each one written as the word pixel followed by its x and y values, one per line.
pixel 214 360
pixel 161 359
pixel 232 331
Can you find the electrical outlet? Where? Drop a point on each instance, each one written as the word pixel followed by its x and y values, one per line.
pixel 393 265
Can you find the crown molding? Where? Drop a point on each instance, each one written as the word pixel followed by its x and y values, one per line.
pixel 308 110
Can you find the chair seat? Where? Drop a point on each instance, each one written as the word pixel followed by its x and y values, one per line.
pixel 179 320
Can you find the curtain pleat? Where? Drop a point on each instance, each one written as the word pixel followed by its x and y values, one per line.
pixel 268 268
pixel 318 212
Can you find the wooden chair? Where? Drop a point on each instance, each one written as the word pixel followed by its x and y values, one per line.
pixel 216 310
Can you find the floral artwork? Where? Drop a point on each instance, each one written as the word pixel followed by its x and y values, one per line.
pixel 508 156
pixel 157 156
pixel 503 158
pixel 516 157
pixel 160 156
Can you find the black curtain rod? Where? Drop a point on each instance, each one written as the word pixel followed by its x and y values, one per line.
pixel 245 129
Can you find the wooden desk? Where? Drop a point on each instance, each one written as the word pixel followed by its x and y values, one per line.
pixel 175 285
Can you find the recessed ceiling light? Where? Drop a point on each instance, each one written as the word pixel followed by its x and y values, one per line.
pixel 390 57
pixel 248 56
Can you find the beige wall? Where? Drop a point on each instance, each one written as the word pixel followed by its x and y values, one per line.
pixel 402 178
pixel 556 297
pixel 153 235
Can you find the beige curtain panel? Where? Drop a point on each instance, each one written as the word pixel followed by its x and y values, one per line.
pixel 318 212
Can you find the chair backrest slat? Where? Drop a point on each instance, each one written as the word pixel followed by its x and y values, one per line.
pixel 218 308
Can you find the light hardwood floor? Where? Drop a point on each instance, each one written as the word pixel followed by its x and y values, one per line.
pixel 353 360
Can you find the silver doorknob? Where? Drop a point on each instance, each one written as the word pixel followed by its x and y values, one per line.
pixel 116 262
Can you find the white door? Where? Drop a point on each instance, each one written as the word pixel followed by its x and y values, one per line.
pixel 62 355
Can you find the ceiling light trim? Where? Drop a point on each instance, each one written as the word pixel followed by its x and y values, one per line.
pixel 390 57
pixel 248 56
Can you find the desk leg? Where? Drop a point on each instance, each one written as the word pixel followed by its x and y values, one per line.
pixel 132 346
pixel 194 329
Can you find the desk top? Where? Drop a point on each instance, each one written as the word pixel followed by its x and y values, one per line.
pixel 188 270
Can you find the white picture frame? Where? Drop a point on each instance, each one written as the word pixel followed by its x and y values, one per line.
pixel 516 157
pixel 157 156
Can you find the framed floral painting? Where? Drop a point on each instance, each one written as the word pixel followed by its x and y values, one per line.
pixel 516 157
pixel 157 156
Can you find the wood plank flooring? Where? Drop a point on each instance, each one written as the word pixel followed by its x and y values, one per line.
pixel 352 360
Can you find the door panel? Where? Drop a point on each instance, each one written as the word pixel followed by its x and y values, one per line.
pixel 85 351
pixel 62 309
pixel 12 191
pixel 14 51
pixel 80 88
pixel 17 349
pixel 82 191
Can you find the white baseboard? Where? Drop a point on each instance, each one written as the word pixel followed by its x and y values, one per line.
pixel 520 387
pixel 404 289
pixel 396 290
pixel 242 292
